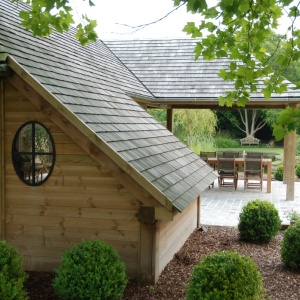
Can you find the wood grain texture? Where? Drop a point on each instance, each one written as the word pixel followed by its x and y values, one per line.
pixel 171 235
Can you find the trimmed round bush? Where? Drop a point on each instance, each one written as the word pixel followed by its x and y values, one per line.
pixel 90 270
pixel 225 276
pixel 290 246
pixel 297 170
pixel 12 275
pixel 259 221
pixel 279 173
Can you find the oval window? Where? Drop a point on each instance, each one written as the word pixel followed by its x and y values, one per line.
pixel 33 153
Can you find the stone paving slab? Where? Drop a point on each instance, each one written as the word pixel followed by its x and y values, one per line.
pixel 221 207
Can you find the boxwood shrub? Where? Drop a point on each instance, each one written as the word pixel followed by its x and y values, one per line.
pixel 279 173
pixel 297 170
pixel 259 221
pixel 290 246
pixel 90 270
pixel 12 275
pixel 225 276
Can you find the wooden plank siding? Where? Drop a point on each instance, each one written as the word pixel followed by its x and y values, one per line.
pixel 170 236
pixel 80 200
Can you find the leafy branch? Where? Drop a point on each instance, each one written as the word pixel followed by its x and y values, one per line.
pixel 42 16
pixel 240 34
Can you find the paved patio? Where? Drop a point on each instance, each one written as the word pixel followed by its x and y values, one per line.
pixel 222 207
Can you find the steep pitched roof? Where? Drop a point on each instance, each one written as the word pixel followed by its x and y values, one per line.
pixel 169 70
pixel 92 84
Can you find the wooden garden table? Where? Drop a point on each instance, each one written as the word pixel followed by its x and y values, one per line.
pixel 240 161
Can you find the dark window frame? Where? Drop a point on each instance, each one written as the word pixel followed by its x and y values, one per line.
pixel 18 156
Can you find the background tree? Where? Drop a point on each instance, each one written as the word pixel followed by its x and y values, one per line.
pixel 159 114
pixel 194 123
pixel 292 71
pixel 229 120
pixel 248 121
pixel 195 127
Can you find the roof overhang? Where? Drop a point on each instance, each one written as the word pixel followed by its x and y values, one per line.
pixel 213 103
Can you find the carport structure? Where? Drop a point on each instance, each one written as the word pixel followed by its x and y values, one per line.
pixel 176 80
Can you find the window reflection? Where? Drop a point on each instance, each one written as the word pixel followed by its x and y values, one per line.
pixel 33 153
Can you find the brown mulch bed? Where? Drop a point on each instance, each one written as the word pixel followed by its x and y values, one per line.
pixel 280 282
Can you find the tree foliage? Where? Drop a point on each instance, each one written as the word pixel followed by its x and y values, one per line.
pixel 292 71
pixel 159 114
pixel 238 30
pixel 191 122
pixel 44 15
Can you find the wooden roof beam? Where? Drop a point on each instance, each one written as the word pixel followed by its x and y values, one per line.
pixel 204 103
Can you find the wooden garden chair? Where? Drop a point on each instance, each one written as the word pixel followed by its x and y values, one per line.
pixel 227 171
pixel 253 173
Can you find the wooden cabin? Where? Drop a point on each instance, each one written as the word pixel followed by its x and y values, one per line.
pixel 80 159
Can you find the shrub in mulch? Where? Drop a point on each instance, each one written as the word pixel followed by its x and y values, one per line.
pixel 259 221
pixel 227 276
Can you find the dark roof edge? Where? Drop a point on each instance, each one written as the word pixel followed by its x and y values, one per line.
pixel 213 101
pixel 166 99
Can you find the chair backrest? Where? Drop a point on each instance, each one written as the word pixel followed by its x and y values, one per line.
pixel 226 164
pixel 253 164
pixel 205 154
pixel 254 154
pixel 231 154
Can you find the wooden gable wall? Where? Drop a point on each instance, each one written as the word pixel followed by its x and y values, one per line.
pixel 80 200
pixel 170 236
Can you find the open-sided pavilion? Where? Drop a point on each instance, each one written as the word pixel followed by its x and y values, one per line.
pixel 176 80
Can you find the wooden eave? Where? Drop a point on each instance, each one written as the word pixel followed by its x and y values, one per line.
pixel 144 190
pixel 199 103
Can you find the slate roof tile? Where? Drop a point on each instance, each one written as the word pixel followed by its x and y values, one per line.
pixel 167 67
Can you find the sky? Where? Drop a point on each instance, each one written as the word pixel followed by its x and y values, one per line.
pixel 110 14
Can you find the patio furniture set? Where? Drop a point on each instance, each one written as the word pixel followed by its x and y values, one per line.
pixel 229 164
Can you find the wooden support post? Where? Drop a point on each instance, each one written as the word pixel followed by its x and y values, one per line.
pixel 170 119
pixel 2 161
pixel 146 269
pixel 289 164
pixel 285 155
pixel 198 211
